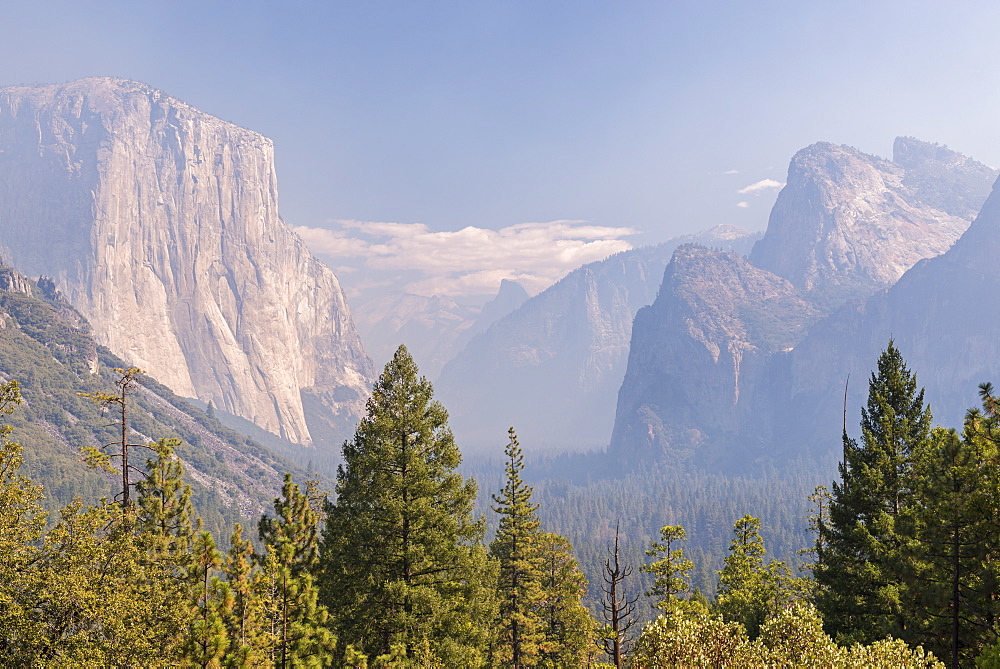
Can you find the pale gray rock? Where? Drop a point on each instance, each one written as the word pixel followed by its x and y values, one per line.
pixel 434 329
pixel 944 316
pixel 428 326
pixel 700 355
pixel 847 224
pixel 160 224
pixel 942 178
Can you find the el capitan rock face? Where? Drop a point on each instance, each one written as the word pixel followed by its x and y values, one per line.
pixel 160 224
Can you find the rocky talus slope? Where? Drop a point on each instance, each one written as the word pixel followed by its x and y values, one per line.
pixel 160 224
pixel 48 347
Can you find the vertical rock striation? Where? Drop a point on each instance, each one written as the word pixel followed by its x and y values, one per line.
pixel 700 357
pixel 160 224
pixel 944 315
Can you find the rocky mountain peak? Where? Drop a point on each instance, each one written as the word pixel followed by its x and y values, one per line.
pixel 699 352
pixel 942 178
pixel 847 223
pixel 160 224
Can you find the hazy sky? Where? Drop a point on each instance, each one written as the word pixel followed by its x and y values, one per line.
pixel 650 116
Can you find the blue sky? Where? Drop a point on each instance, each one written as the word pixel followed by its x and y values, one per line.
pixel 644 115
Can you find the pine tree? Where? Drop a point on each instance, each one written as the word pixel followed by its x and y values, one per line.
pixel 568 628
pixel 207 641
pixel 749 590
pixel 21 524
pixel 403 561
pixel 290 565
pixel 163 509
pixel 249 635
pixel 955 565
pixel 121 450
pixel 861 572
pixel 671 571
pixel 516 548
pixel 97 600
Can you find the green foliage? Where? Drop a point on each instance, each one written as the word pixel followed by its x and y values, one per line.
pixel 207 642
pixel 247 627
pixel 671 570
pixel 681 640
pixel 567 626
pixel 953 568
pixel 861 561
pixel 403 560
pixel 791 637
pixel 516 549
pixel 292 553
pixel 93 597
pixel 48 347
pixel 750 590
pixel 163 509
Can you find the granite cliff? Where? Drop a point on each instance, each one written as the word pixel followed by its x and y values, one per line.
pixel 719 365
pixel 943 315
pixel 700 355
pixel 160 224
pixel 847 224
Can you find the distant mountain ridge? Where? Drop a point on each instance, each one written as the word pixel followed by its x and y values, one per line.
pixel 552 368
pixel 723 362
pixel 433 329
pixel 847 222
pixel 944 316
pixel 160 224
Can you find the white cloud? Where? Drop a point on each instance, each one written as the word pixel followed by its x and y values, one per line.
pixel 731 172
pixel 742 205
pixel 470 261
pixel 763 184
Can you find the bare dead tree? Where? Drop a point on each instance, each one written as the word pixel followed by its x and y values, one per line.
pixel 618 609
pixel 126 383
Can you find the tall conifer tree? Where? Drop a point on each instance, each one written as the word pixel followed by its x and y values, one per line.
pixel 290 565
pixel 861 568
pixel 569 629
pixel 953 549
pixel 671 570
pixel 403 561
pixel 516 548
pixel 750 590
pixel 250 637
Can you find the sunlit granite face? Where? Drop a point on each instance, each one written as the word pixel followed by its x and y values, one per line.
pixel 160 223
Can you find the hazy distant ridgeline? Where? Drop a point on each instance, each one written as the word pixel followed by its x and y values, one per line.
pixel 553 367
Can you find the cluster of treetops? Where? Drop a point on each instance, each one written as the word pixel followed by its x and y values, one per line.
pixel 395 571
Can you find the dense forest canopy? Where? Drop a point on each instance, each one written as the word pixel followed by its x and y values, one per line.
pixel 395 569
